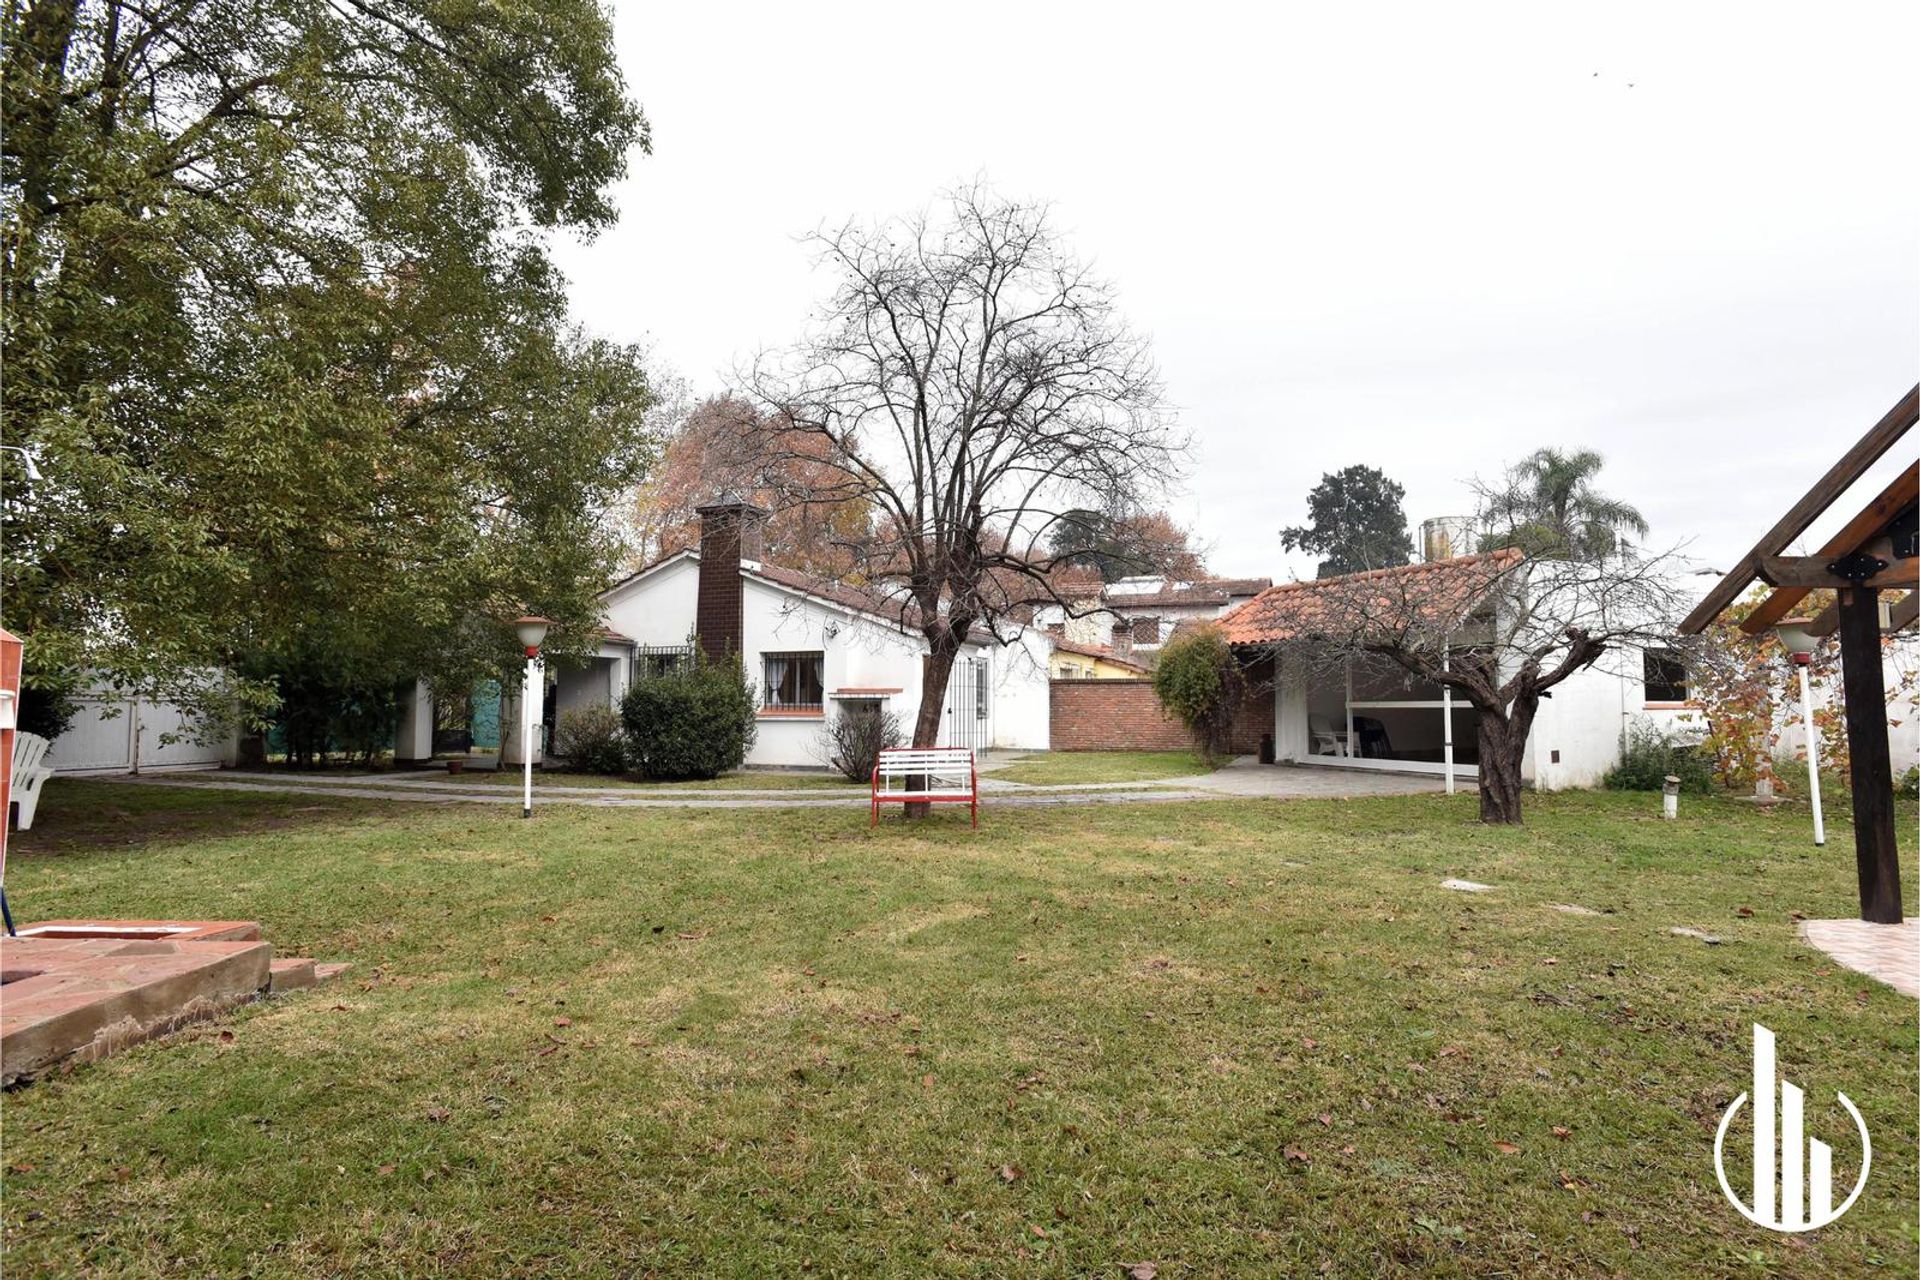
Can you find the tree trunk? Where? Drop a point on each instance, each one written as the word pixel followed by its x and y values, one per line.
pixel 1501 751
pixel 936 671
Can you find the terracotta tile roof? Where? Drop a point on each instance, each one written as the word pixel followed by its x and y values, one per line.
pixel 1294 610
pixel 1099 651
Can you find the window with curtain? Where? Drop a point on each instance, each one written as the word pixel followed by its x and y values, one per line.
pixel 793 681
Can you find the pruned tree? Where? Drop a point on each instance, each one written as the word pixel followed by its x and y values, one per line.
pixel 1501 629
pixel 1356 522
pixel 972 381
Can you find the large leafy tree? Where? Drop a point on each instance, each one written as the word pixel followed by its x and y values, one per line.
pixel 284 341
pixel 1547 504
pixel 1356 523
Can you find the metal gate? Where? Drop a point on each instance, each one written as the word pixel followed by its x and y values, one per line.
pixel 968 720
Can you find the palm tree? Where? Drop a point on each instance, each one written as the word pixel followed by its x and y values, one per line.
pixel 1549 507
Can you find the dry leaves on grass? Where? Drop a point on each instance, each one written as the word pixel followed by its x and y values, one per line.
pixel 438 1114
pixel 1506 1148
pixel 1011 1173
pixel 1140 1270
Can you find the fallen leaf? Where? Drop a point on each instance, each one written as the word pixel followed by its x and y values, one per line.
pixel 23 1168
pixel 1038 1230
pixel 386 1169
pixel 1309 1042
pixel 1348 1150
pixel 226 1037
pixel 1745 913
pixel 693 935
pixel 1506 1148
pixel 563 1022
pixel 1561 1131
pixel 1140 1270
pixel 1295 1153
pixel 1550 960
pixel 438 1114
pixel 1011 1173
pixel 1453 1049
pixel 546 919
pixel 1326 1118
pixel 926 1081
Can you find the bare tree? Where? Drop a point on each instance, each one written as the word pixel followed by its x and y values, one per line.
pixel 1500 629
pixel 972 382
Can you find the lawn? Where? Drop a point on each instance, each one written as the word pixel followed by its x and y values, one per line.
pixel 1077 768
pixel 1229 1038
pixel 767 780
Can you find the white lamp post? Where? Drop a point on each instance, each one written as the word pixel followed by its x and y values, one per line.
pixel 1799 643
pixel 531 630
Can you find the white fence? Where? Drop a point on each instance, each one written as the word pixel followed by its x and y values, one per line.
pixel 111 734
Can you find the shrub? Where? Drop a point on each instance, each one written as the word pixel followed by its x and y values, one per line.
pixel 856 737
pixel 1198 682
pixel 46 710
pixel 1651 754
pixel 694 722
pixel 592 740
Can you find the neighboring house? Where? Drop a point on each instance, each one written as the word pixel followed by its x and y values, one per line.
pixel 1370 714
pixel 810 647
pixel 1072 661
pixel 1135 616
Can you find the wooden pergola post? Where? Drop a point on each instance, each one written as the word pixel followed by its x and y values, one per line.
pixel 1875 549
pixel 1864 683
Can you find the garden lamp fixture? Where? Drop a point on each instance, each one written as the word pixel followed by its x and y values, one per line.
pixel 1797 638
pixel 532 630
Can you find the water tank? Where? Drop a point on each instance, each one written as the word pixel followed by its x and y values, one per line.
pixel 1444 537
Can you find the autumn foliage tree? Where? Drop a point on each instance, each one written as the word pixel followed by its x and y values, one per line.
pixel 724 444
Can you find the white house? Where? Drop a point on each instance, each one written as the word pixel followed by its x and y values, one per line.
pixel 810 647
pixel 1139 614
pixel 1371 714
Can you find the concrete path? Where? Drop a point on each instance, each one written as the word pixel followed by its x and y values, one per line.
pixel 1244 777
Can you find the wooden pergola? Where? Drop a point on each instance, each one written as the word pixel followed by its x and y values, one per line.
pixel 1874 552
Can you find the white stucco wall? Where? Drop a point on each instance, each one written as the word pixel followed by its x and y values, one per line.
pixel 656 610
pixel 1022 696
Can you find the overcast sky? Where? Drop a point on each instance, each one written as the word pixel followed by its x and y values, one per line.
pixel 1430 238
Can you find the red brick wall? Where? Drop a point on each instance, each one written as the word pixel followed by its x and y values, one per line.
pixel 1124 715
pixel 1112 715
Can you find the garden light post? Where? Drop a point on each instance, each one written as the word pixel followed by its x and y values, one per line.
pixel 1799 643
pixel 532 630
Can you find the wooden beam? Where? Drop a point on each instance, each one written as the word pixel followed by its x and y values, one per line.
pixel 1901 615
pixel 1866 451
pixel 1902 493
pixel 1807 573
pixel 1863 678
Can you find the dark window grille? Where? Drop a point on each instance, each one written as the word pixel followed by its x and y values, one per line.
pixel 793 681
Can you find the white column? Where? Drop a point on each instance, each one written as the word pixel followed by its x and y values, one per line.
pixel 1446 713
pixel 1793 1146
pixel 413 739
pixel 1353 748
pixel 1813 756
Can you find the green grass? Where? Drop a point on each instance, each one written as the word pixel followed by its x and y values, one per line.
pixel 771 780
pixel 1076 768
pixel 1234 1038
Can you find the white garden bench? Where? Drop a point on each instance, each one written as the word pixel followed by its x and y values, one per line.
pixel 931 775
pixel 29 749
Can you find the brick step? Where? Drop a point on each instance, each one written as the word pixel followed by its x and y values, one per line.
pixel 291 974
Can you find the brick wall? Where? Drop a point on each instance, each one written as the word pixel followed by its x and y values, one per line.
pixel 1112 715
pixel 1124 715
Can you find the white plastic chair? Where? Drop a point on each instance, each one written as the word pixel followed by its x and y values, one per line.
pixel 28 776
pixel 1327 741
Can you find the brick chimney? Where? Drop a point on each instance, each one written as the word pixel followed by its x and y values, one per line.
pixel 732 532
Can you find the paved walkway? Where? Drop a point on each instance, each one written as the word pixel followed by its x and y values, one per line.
pixel 1243 777
pixel 1889 952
